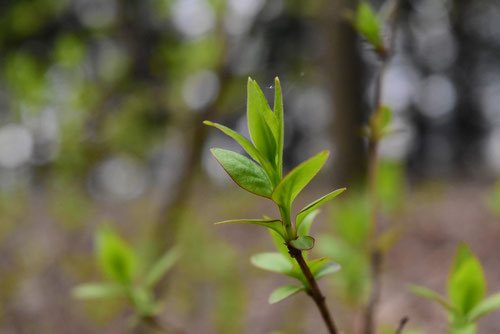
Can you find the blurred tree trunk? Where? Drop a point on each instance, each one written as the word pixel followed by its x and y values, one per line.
pixel 345 71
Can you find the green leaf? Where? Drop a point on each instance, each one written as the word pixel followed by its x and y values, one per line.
pixel 304 242
pixel 116 258
pixel 279 243
pixel 316 204
pixel 246 173
pixel 304 226
pixel 247 146
pixel 272 261
pixel 99 291
pixel 485 307
pixel 389 238
pixel 272 224
pixel 284 292
pixel 162 266
pixel 380 121
pixel 466 283
pixel 322 267
pixel 368 25
pixel 259 116
pixel 143 301
pixel 288 189
pixel 432 295
pixel 278 112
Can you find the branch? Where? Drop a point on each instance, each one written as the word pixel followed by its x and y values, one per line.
pixel 313 290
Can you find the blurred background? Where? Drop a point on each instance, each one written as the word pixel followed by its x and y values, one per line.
pixel 101 104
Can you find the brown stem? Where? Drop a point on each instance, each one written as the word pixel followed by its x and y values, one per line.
pixel 402 325
pixel 369 316
pixel 153 323
pixel 313 290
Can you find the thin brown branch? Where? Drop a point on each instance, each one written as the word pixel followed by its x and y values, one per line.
pixel 402 324
pixel 313 290
pixel 376 256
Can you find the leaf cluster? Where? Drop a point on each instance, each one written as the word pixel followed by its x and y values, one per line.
pixel 120 265
pixel 466 290
pixel 261 173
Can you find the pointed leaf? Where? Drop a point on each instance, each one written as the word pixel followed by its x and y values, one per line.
pixel 303 242
pixel 297 179
pixel 466 284
pixel 485 307
pixel 272 224
pixel 284 292
pixel 304 226
pixel 432 295
pixel 323 266
pixel 162 266
pixel 368 25
pixel 116 258
pixel 278 112
pixel 316 204
pixel 246 173
pixel 99 291
pixel 274 262
pixel 258 116
pixel 246 145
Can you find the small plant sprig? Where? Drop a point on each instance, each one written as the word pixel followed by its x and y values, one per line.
pixel 119 264
pixel 466 286
pixel 369 25
pixel 263 176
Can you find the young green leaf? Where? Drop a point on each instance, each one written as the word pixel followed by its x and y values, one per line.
pixel 368 25
pixel 316 204
pixel 273 224
pixel 116 258
pixel 485 307
pixel 466 283
pixel 259 116
pixel 99 291
pixel 278 112
pixel 274 262
pixel 322 267
pixel 304 242
pixel 160 267
pixel 304 226
pixel 432 295
pixel 297 179
pixel 246 173
pixel 247 146
pixel 284 292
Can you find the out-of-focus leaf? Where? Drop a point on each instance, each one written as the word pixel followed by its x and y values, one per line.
pixel 274 262
pixel 99 291
pixel 116 258
pixel 368 25
pixel 304 242
pixel 259 116
pixel 432 295
pixel 272 224
pixel 485 307
pixel 304 226
pixel 284 292
pixel 297 179
pixel 162 266
pixel 389 238
pixel 466 283
pixel 247 146
pixel 316 204
pixel 246 173
pixel 143 301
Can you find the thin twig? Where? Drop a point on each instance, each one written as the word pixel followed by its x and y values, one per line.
pixel 402 324
pixel 313 290
pixel 154 323
pixel 376 256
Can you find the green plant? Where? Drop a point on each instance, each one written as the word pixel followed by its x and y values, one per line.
pixel 466 288
pixel 262 174
pixel 125 277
